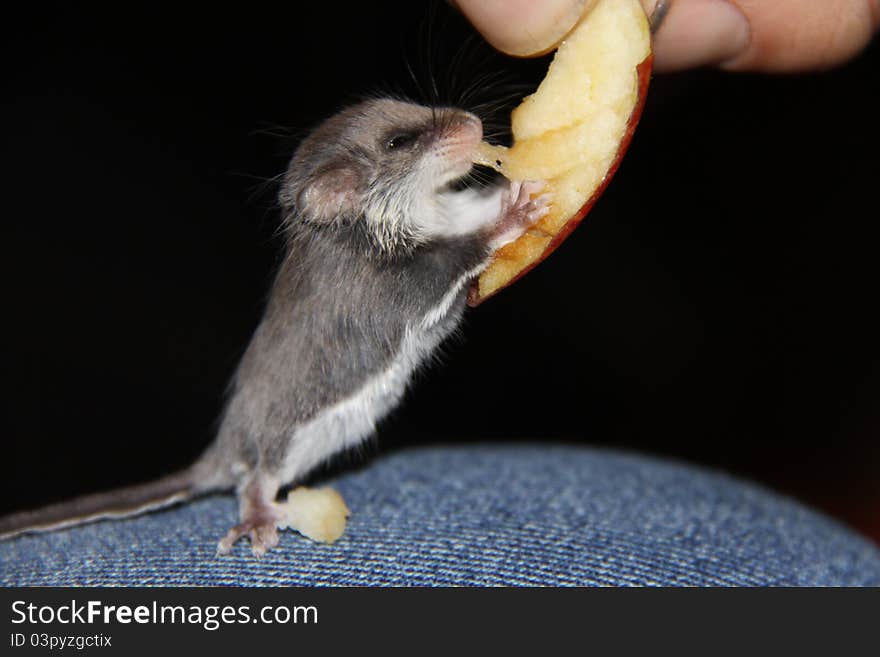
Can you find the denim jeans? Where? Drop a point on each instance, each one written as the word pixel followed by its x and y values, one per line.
pixel 482 515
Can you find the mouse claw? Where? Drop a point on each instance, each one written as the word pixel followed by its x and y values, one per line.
pixel 226 543
pixel 263 537
pixel 520 211
pixel 520 192
pixel 526 204
pixel 540 208
pixel 532 187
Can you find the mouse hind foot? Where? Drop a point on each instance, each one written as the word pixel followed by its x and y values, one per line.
pixel 263 535
pixel 259 515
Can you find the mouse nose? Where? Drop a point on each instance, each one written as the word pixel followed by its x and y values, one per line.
pixel 457 140
pixel 471 126
pixel 464 129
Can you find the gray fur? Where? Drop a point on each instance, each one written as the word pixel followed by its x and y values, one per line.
pixel 345 294
pixel 373 278
pixel 336 316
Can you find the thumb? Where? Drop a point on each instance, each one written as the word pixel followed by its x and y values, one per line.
pixel 523 28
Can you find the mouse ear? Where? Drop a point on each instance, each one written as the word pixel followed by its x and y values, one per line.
pixel 330 193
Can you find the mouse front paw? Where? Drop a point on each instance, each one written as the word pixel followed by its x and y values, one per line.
pixel 522 205
pixel 525 202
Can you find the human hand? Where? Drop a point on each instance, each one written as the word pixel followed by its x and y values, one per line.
pixel 737 35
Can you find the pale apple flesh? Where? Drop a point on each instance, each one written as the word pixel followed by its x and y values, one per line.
pixel 572 132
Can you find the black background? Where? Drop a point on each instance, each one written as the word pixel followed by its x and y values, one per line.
pixel 718 305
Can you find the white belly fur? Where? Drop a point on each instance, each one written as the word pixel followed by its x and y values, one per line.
pixel 351 420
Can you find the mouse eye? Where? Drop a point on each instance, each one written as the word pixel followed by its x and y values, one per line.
pixel 401 141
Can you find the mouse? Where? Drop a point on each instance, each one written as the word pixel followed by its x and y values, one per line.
pixel 380 245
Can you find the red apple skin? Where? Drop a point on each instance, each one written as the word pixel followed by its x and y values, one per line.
pixel 644 72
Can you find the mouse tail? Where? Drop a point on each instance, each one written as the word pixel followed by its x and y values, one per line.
pixel 118 503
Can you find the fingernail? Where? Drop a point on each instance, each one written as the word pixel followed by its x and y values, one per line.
pixel 700 33
pixel 657 11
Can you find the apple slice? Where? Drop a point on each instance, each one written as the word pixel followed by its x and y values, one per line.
pixel 573 131
pixel 319 514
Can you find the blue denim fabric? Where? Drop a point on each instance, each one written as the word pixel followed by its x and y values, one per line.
pixel 484 515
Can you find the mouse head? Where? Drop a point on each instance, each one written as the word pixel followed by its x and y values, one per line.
pixel 380 162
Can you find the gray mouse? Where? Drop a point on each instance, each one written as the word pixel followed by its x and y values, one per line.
pixel 380 249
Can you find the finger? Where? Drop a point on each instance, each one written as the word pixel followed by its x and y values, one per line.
pixel 797 35
pixel 698 33
pixel 523 27
pixel 742 35
pixel 763 35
